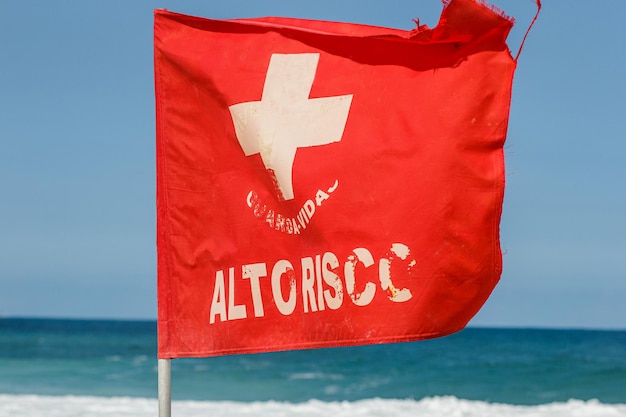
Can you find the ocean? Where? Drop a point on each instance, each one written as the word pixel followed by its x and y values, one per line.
pixel 94 368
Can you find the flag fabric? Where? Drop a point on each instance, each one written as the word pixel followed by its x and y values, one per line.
pixel 327 184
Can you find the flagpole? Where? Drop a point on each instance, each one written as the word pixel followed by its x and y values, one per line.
pixel 165 387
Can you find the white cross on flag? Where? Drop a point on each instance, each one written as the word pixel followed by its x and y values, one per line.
pixel 286 118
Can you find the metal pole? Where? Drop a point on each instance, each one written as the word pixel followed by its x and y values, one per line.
pixel 165 387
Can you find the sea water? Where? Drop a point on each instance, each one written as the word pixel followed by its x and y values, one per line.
pixel 109 368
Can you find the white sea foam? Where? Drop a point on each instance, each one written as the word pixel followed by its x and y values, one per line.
pixel 74 406
pixel 315 375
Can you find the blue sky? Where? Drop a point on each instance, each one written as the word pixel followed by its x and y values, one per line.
pixel 77 203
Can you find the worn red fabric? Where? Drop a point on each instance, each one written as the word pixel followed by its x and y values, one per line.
pixel 325 184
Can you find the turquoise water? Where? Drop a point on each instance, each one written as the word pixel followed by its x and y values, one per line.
pixel 512 366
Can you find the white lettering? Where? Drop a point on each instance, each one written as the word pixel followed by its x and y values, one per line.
pixel 398 251
pixel 333 187
pixel 302 218
pixel 269 218
pixel 308 282
pixel 286 223
pixel 320 197
pixel 284 268
pixel 365 257
pixel 254 272
pixel 318 278
pixel 322 283
pixel 218 304
pixel 296 228
pixel 235 312
pixel 280 223
pixel 309 208
pixel 331 263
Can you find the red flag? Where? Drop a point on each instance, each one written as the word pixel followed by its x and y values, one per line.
pixel 325 184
